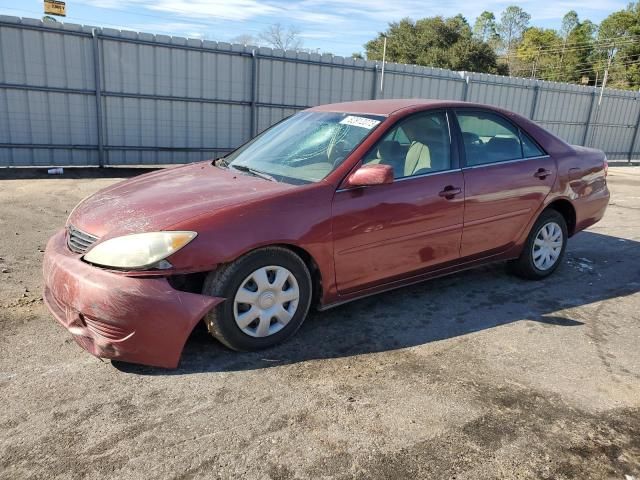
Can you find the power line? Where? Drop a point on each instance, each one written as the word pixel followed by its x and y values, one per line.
pixel 590 70
pixel 572 65
pixel 594 45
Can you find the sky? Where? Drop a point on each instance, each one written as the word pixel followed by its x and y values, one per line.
pixel 337 26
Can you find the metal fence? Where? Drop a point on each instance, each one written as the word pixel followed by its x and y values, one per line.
pixel 79 95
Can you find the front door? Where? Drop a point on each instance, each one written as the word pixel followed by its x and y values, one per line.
pixel 387 232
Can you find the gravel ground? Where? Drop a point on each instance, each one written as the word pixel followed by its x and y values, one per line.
pixel 477 375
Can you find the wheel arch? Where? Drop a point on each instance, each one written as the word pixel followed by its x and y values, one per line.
pixel 565 208
pixel 312 266
pixel 308 259
pixel 193 282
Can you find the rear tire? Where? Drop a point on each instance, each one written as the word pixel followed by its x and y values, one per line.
pixel 268 294
pixel 544 249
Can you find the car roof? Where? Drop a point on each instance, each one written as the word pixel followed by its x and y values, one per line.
pixel 389 106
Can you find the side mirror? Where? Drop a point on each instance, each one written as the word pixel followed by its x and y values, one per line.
pixel 376 174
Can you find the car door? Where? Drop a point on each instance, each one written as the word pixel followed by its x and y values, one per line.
pixel 507 176
pixel 387 232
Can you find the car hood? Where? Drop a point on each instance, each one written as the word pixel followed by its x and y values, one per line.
pixel 157 200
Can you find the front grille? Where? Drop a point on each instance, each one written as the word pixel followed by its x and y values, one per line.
pixel 79 241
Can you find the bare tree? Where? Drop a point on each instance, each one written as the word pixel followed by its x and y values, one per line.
pixel 244 39
pixel 277 36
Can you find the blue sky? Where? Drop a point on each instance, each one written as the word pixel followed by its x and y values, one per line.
pixel 337 26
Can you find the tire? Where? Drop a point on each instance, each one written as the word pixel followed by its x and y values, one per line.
pixel 530 264
pixel 261 270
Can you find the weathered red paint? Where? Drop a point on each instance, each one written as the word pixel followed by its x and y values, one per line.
pixel 361 240
pixel 115 316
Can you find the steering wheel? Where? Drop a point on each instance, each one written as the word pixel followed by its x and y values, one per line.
pixel 471 138
pixel 337 152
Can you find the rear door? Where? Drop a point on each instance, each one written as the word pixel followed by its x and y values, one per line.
pixel 507 176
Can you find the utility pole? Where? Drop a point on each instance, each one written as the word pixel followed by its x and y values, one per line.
pixel 535 62
pixel 384 55
pixel 606 74
pixel 612 52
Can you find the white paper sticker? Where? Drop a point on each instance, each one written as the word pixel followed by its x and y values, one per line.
pixel 362 122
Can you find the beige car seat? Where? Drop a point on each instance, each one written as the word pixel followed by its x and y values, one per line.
pixel 428 153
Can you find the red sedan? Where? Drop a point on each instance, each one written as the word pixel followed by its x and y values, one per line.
pixel 332 204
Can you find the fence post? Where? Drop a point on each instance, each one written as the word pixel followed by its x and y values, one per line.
pixel 534 103
pixel 98 84
pixel 586 127
pixel 374 89
pixel 465 88
pixel 254 93
pixel 634 138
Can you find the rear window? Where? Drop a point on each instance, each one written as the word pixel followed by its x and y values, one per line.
pixel 490 138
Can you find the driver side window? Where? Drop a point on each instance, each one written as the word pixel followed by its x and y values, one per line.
pixel 418 145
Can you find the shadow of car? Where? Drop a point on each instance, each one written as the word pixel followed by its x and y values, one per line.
pixel 596 269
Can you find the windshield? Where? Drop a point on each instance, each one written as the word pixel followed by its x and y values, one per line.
pixel 305 147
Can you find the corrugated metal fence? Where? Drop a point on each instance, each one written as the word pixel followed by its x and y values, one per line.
pixel 78 95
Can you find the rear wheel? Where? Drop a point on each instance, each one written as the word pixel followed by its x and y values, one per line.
pixel 268 293
pixel 544 248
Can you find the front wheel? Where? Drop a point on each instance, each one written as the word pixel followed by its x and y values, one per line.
pixel 268 293
pixel 544 248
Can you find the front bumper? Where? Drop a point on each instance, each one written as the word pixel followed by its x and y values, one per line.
pixel 138 320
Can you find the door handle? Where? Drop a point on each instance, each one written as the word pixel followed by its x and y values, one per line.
pixel 450 191
pixel 542 173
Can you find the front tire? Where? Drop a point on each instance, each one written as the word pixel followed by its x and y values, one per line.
pixel 544 248
pixel 268 293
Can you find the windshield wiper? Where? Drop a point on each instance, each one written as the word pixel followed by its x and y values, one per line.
pixel 252 171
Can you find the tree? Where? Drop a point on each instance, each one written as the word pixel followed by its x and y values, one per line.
pixel 472 55
pixel 434 41
pixel 277 36
pixel 538 53
pixel 569 22
pixel 357 55
pixel 485 29
pixel 513 22
pixel 577 53
pixel 245 39
pixel 617 38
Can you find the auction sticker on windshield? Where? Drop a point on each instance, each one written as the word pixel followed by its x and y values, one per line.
pixel 362 122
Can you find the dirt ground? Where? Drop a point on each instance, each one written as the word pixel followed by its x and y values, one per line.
pixel 479 375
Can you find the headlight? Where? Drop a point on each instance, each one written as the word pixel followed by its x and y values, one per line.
pixel 139 250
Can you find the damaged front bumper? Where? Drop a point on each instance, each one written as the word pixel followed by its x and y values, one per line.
pixel 138 320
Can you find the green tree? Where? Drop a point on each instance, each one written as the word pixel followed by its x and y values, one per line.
pixel 618 38
pixel 538 54
pixel 513 22
pixel 486 29
pixel 437 42
pixel 577 54
pixel 569 22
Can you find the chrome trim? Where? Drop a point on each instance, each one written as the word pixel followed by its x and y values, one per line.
pixel 79 241
pixel 411 177
pixel 501 162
